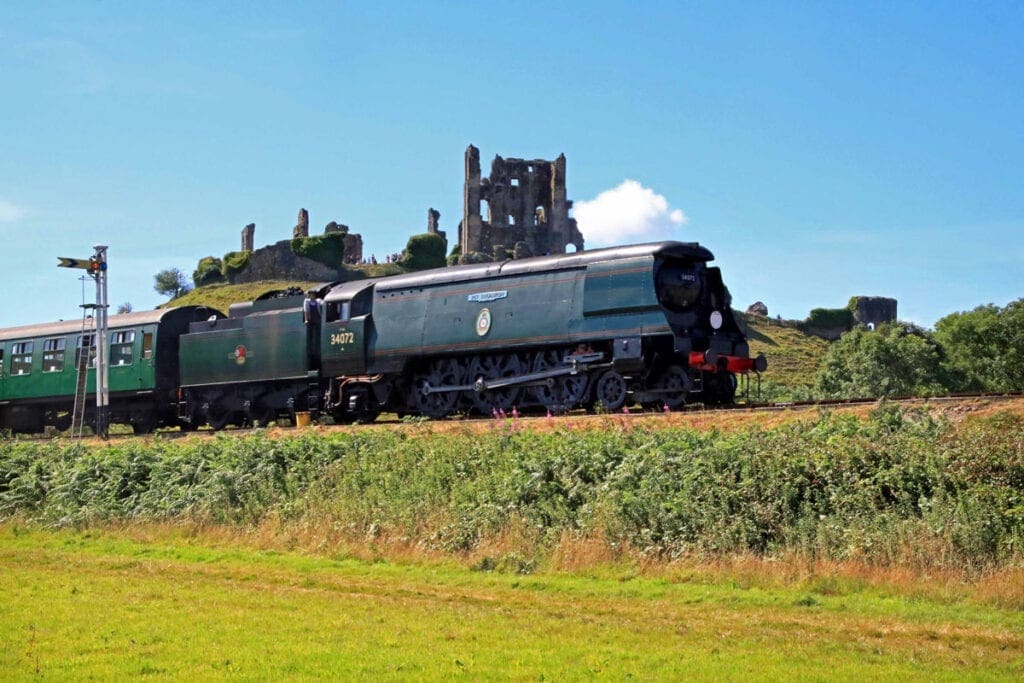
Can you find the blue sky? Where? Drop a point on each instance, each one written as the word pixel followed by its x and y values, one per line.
pixel 819 150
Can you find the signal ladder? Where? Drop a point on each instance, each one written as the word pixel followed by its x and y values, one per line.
pixel 85 352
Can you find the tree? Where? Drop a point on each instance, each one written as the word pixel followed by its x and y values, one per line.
pixel 985 347
pixel 126 307
pixel 171 282
pixel 899 359
pixel 424 251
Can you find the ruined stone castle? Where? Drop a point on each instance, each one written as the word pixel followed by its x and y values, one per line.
pixel 526 208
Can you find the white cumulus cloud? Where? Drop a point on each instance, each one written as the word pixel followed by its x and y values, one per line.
pixel 627 214
pixel 10 212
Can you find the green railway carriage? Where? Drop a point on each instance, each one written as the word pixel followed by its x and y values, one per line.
pixel 39 370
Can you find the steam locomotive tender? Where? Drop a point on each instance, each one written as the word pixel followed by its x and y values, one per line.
pixel 649 323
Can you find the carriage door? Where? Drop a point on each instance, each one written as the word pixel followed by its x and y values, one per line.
pixel 344 336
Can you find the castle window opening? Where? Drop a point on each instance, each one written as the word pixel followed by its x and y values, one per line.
pixel 514 182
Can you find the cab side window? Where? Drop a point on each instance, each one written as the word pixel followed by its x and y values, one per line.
pixel 339 312
pixel 333 312
pixel 21 358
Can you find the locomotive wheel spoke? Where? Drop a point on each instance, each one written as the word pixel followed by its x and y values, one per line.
pixel 562 393
pixel 494 367
pixel 610 390
pixel 675 383
pixel 444 372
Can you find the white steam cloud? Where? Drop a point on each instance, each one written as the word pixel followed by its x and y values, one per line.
pixel 627 214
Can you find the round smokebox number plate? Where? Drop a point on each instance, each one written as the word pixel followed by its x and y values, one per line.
pixel 716 320
pixel 483 322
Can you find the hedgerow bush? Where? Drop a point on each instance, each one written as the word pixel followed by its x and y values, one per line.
pixel 901 487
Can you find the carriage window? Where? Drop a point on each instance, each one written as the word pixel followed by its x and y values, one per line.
pixel 53 355
pixel 1 361
pixel 21 358
pixel 121 347
pixel 85 342
pixel 147 344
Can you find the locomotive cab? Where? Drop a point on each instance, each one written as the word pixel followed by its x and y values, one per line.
pixel 347 326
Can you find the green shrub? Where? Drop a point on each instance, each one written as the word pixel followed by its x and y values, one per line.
pixel 328 249
pixel 985 346
pixel 830 319
pixel 475 257
pixel 210 271
pixel 898 359
pixel 454 255
pixel 234 263
pixel 424 251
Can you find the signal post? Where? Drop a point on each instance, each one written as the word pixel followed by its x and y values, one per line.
pixel 96 266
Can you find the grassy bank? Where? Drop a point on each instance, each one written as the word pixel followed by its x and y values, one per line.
pixel 149 600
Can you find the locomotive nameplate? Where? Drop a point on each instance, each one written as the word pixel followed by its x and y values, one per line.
pixel 483 297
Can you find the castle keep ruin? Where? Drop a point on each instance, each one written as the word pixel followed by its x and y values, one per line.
pixel 527 209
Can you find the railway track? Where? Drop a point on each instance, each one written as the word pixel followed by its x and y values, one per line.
pixel 527 418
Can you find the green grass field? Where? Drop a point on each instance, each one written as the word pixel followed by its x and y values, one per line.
pixel 115 604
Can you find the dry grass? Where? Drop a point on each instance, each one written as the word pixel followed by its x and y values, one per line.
pixel 594 555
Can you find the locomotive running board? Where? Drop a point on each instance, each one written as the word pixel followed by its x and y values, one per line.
pixel 578 364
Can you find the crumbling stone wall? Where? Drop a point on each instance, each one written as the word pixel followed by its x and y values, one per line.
pixel 301 228
pixel 433 226
pixel 874 310
pixel 527 209
pixel 277 261
pixel 248 237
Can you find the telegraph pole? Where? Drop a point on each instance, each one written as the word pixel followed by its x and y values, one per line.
pixel 96 266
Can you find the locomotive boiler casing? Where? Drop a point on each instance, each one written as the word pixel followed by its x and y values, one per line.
pixel 611 303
